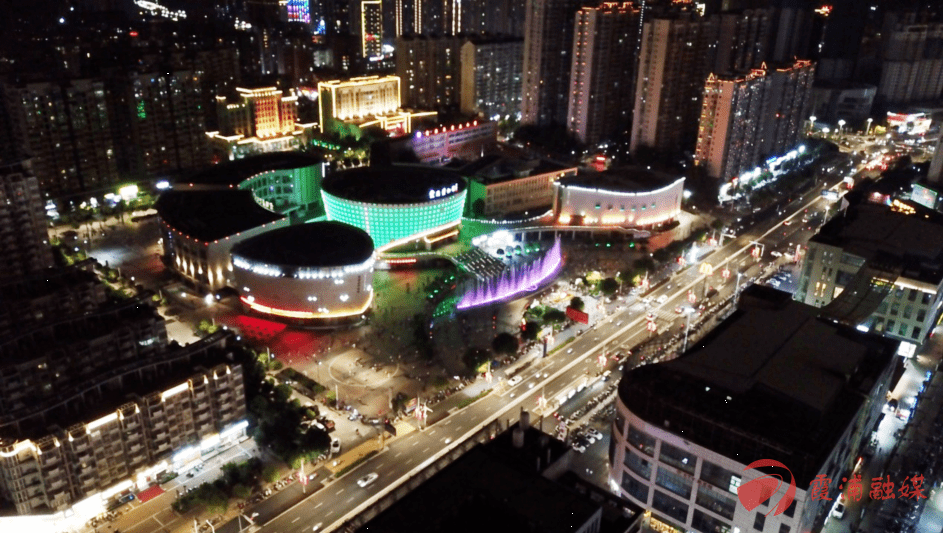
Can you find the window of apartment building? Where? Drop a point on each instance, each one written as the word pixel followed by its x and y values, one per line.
pixel 707 524
pixel 920 315
pixel 791 508
pixel 912 294
pixel 717 501
pixel 637 464
pixel 673 482
pixel 899 291
pixel 720 477
pixel 907 312
pixel 759 522
pixel 670 506
pixel 641 440
pixel 785 528
pixel 891 326
pixel 915 332
pixel 902 328
pixel 926 298
pixel 882 308
pixel 894 311
pixel 640 491
pixel 678 458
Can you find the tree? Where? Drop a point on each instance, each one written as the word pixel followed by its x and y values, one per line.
pixel 530 332
pixel 475 357
pixel 283 393
pixel 609 286
pixel 478 207
pixel 242 491
pixel 553 315
pixel 505 343
pixel 718 224
pixel 577 303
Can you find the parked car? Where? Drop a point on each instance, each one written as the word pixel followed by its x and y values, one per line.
pixel 515 380
pixel 335 445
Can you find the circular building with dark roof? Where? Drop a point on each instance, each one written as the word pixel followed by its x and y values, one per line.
pixel 313 271
pixel 396 204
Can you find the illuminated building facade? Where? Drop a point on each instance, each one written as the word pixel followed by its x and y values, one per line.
pixel 687 432
pixel 311 272
pixel 912 65
pixel 466 141
pixel 298 11
pixel 372 29
pixel 601 91
pixel 259 121
pixel 397 204
pixel 362 102
pixel 88 462
pixel 24 243
pixel 627 198
pixel 201 220
pixel 429 69
pixel 878 270
pixel 549 32
pixel 746 119
pixel 507 186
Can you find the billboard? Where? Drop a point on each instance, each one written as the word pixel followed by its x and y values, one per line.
pixel 925 196
pixel 576 315
pixel 909 123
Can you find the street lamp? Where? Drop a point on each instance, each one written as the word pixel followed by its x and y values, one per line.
pixel 869 123
pixel 840 123
pixel 813 120
pixel 688 311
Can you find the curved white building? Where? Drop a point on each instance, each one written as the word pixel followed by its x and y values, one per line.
pixel 321 272
pixel 628 198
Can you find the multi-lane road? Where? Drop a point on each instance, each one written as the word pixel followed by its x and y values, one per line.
pixel 339 500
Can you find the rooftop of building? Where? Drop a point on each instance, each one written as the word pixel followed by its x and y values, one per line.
pixel 319 244
pixel 875 232
pixel 497 168
pixel 212 215
pixel 234 172
pixel 44 283
pixel 391 184
pixel 771 381
pixel 628 179
pixel 494 487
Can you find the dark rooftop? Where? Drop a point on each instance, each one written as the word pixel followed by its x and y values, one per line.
pixel 320 244
pixel 772 381
pixel 492 488
pixel 875 232
pixel 212 215
pixel 495 168
pixel 625 179
pixel 390 184
pixel 236 171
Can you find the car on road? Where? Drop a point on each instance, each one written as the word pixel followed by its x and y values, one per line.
pixel 570 350
pixel 892 406
pixel 838 511
pixel 678 310
pixel 580 448
pixel 367 480
pixel 515 380
pixel 595 433
pixel 335 445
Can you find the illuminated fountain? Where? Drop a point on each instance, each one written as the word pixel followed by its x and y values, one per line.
pixel 515 280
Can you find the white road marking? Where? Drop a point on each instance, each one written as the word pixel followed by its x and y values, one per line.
pixel 339 491
pixel 296 519
pixel 379 466
pixel 426 450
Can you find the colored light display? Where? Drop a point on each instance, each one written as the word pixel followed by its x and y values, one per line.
pixel 515 280
pixel 393 224
pixel 298 11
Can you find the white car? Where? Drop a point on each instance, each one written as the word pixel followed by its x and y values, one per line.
pixel 662 299
pixel 515 380
pixel 335 445
pixel 595 433
pixel 838 511
pixel 367 480
pixel 580 448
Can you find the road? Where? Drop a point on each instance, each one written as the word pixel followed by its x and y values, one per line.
pixel 341 499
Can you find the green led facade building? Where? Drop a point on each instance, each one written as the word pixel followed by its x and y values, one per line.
pixel 396 204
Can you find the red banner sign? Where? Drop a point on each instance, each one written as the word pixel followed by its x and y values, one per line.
pixel 576 315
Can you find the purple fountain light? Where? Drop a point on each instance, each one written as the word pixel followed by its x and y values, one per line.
pixel 515 280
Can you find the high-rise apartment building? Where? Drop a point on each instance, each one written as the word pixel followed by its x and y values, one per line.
pixel 912 64
pixel 69 134
pixel 429 67
pixel 504 17
pixel 491 77
pixel 732 108
pixel 372 28
pixel 743 40
pixel 162 114
pixel 549 33
pixel 601 95
pixel 746 119
pixel 24 244
pixel 676 55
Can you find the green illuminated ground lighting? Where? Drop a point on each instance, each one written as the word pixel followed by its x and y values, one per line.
pixel 390 225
